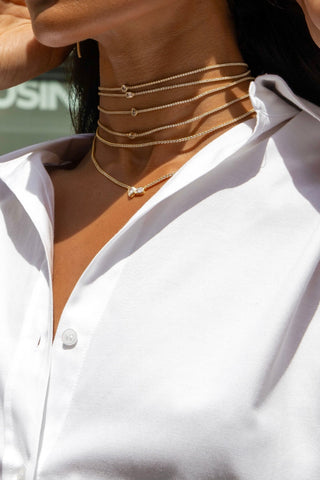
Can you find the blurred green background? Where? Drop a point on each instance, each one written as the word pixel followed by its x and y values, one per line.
pixel 34 111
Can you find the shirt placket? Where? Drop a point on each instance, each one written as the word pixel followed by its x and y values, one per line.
pixel 77 325
pixel 26 391
pixel 28 375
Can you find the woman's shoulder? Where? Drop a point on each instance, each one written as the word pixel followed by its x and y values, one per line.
pixel 52 152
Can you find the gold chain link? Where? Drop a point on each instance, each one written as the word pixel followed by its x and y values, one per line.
pixel 129 94
pixel 132 191
pixel 133 135
pixel 134 112
pixel 125 88
pixel 175 140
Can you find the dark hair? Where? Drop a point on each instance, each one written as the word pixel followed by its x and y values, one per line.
pixel 84 79
pixel 273 38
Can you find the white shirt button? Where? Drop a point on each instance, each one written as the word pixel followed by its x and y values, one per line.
pixel 69 337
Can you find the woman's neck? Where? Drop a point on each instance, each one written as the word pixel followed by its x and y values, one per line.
pixel 167 39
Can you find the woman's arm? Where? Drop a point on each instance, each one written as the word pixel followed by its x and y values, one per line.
pixel 311 10
pixel 21 56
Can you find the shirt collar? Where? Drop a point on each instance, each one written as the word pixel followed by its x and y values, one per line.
pixel 271 96
pixel 22 171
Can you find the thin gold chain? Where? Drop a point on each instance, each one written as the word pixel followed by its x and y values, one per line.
pixel 139 191
pixel 124 88
pixel 129 94
pixel 135 111
pixel 133 135
pixel 131 91
pixel 132 191
pixel 175 140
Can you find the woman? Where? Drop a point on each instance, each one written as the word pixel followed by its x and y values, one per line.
pixel 159 302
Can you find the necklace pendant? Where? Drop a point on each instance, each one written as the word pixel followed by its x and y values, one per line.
pixel 133 191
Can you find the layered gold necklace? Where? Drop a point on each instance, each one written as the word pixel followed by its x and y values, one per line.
pixel 129 92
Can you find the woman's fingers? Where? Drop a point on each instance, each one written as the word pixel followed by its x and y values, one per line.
pixel 22 57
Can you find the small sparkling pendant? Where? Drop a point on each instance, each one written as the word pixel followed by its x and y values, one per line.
pixel 132 191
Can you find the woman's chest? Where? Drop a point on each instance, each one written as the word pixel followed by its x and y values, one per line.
pixel 71 257
pixel 83 224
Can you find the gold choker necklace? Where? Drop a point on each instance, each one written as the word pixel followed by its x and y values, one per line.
pixel 130 92
pixel 132 191
pixel 134 112
pixel 174 140
pixel 133 135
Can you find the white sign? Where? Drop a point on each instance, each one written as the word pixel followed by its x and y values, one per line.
pixel 35 95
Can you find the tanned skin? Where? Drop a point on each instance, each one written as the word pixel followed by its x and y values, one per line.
pixel 139 41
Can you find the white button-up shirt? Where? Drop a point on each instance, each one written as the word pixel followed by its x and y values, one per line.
pixel 189 349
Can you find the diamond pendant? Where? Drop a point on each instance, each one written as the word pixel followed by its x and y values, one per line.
pixel 132 191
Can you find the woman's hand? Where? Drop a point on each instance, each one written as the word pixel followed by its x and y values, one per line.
pixel 311 10
pixel 22 57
